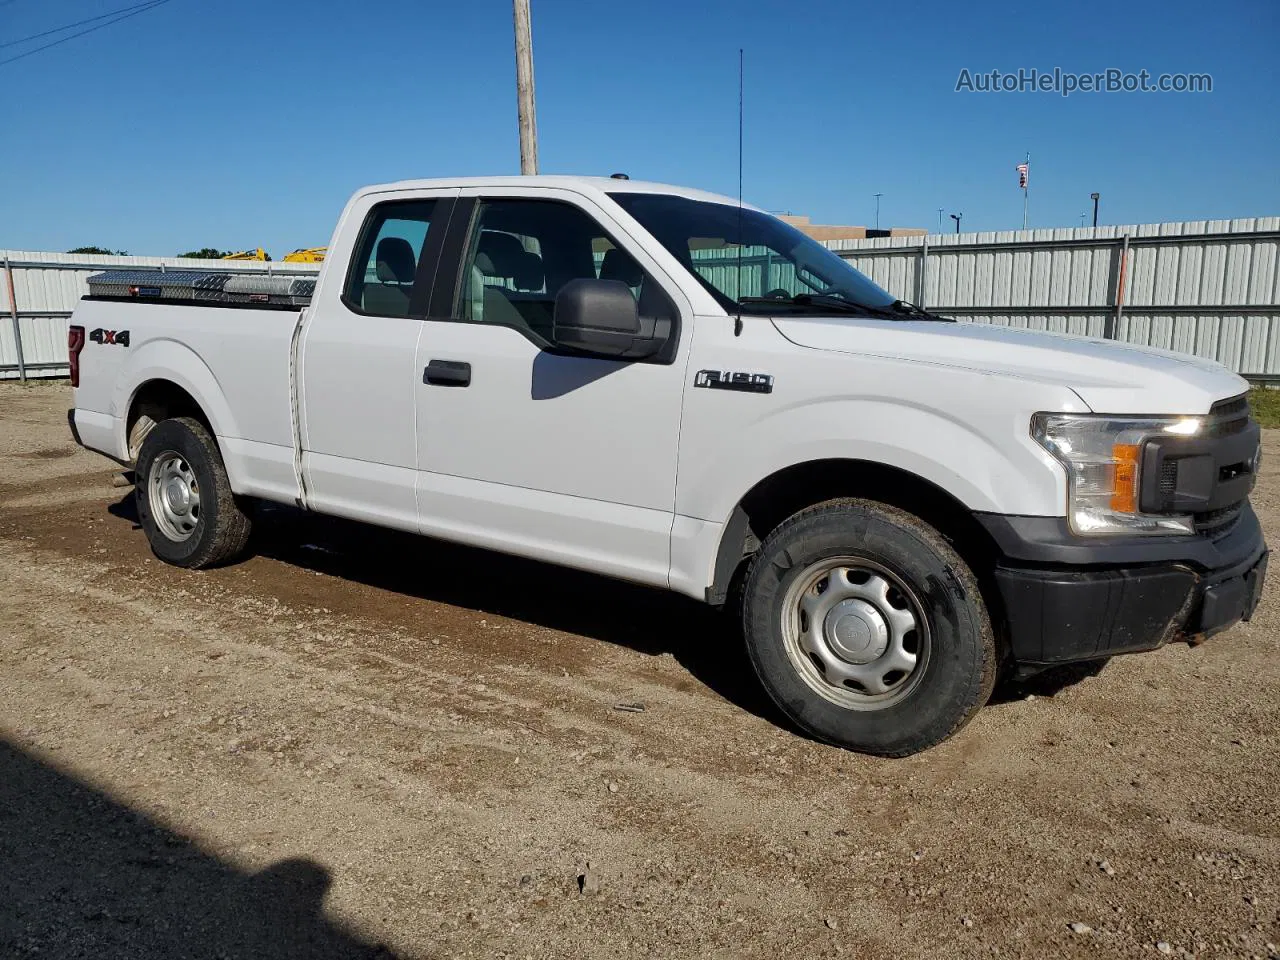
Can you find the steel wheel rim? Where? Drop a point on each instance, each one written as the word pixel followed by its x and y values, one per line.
pixel 855 633
pixel 174 495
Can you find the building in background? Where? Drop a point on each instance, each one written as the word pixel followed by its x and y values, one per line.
pixel 823 231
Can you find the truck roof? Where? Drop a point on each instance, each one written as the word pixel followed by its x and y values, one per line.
pixel 579 184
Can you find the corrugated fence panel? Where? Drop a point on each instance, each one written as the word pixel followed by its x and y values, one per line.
pixel 47 287
pixel 1067 280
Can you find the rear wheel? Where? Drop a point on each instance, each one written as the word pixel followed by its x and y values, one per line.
pixel 867 629
pixel 184 499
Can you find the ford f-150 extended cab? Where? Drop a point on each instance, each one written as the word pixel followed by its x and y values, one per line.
pixel 662 385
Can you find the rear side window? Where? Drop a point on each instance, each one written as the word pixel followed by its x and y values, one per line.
pixel 382 273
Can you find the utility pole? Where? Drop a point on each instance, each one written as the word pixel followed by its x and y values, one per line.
pixel 878 196
pixel 524 90
pixel 956 217
pixel 940 219
pixel 1094 197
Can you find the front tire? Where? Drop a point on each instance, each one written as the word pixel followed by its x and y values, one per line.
pixel 867 629
pixel 184 499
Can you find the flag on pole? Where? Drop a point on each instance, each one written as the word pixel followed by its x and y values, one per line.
pixel 1024 173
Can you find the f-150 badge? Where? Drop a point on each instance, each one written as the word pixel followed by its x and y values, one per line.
pixel 734 380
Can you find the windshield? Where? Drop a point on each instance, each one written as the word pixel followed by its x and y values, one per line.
pixel 744 256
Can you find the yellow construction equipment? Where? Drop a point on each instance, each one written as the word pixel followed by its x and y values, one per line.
pixel 310 255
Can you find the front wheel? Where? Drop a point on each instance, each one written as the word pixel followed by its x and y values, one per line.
pixel 185 503
pixel 867 629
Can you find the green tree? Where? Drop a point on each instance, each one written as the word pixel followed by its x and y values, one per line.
pixel 206 253
pixel 100 251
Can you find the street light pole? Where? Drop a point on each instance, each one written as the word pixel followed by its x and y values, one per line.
pixel 524 90
pixel 940 219
pixel 878 196
pixel 956 217
pixel 1094 197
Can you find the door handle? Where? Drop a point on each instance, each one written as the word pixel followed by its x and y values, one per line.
pixel 447 373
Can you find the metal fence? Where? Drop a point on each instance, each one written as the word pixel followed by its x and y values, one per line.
pixel 38 291
pixel 1207 287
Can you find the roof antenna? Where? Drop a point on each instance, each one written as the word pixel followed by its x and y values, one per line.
pixel 737 324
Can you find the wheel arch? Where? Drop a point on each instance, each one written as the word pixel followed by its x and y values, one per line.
pixel 171 379
pixel 791 489
pixel 156 400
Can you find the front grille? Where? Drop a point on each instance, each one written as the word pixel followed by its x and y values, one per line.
pixel 1227 417
pixel 1231 407
pixel 1217 523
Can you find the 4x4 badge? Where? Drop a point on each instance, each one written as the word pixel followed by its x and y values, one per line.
pixel 110 336
pixel 733 380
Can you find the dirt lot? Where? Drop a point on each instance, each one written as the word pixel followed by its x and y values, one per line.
pixel 364 744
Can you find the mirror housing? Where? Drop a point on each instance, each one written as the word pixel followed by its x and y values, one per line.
pixel 602 318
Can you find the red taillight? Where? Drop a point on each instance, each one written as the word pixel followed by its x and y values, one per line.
pixel 75 343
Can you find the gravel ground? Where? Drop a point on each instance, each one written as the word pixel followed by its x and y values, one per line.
pixel 358 743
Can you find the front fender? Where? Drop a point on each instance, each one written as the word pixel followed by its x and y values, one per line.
pixel 992 465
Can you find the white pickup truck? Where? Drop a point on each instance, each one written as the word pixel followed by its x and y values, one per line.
pixel 662 385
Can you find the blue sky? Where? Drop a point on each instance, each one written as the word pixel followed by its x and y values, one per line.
pixel 248 122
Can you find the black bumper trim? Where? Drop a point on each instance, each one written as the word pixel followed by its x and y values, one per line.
pixel 75 432
pixel 1059 617
pixel 1049 541
pixel 1106 601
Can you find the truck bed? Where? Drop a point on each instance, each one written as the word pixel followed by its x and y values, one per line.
pixel 229 350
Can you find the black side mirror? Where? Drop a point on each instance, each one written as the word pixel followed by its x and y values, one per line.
pixel 601 317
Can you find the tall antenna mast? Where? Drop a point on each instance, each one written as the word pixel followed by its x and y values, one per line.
pixel 1026 189
pixel 737 324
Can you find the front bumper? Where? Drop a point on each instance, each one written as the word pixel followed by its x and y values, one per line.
pixel 1066 599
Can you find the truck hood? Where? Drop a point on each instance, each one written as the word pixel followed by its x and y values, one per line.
pixel 1110 377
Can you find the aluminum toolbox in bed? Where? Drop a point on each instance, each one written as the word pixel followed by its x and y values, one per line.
pixel 204 285
pixel 253 288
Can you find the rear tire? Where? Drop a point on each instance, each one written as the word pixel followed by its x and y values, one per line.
pixel 867 629
pixel 184 499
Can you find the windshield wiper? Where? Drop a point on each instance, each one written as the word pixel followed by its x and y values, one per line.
pixel 827 301
pixel 917 313
pixel 897 310
pixel 823 300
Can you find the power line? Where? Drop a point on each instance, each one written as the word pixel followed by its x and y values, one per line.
pixel 141 9
pixel 78 23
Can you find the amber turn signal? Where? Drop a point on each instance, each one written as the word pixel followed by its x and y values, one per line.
pixel 1124 485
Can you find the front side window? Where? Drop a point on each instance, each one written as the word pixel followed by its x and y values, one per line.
pixel 523 251
pixel 382 271
pixel 744 256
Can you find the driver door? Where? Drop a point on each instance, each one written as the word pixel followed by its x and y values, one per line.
pixel 570 459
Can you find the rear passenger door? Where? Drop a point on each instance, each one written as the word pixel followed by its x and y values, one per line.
pixel 564 458
pixel 357 363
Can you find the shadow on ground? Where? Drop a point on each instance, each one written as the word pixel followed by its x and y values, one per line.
pixel 1048 682
pixel 706 642
pixel 84 876
pixel 701 639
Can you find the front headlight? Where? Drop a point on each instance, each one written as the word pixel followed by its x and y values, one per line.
pixel 1103 458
